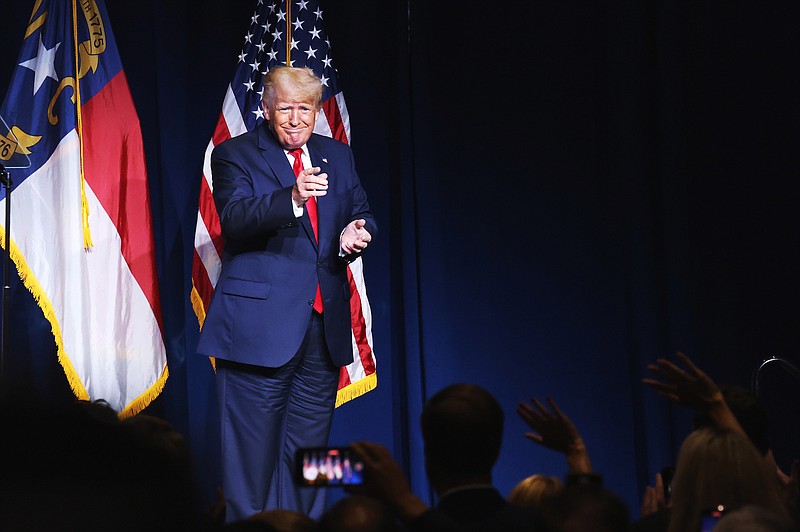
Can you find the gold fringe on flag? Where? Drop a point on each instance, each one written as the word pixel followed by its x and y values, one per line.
pixel 32 284
pixel 149 395
pixel 356 389
pixel 198 307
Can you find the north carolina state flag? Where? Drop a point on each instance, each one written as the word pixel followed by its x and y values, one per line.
pixel 81 236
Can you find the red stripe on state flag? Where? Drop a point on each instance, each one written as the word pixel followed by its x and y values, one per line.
pixel 113 147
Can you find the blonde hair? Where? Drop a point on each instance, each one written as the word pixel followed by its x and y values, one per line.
pixel 535 490
pixel 302 80
pixel 719 467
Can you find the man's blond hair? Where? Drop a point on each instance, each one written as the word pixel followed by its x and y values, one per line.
pixel 300 79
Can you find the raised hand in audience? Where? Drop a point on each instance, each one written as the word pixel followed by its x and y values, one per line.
pixel 555 431
pixel 384 480
pixel 692 388
pixel 790 491
pixel 654 498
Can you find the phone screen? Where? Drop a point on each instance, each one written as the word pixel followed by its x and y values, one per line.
pixel 710 518
pixel 328 466
pixel 666 478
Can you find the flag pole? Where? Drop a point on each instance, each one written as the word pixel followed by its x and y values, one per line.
pixel 5 180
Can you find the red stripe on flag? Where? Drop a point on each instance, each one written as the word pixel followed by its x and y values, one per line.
pixel 359 327
pixel 113 147
pixel 344 378
pixel 221 131
pixel 208 211
pixel 334 117
pixel 201 281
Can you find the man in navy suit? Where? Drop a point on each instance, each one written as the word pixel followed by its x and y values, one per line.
pixel 462 432
pixel 293 214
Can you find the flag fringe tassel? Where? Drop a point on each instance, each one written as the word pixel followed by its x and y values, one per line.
pixel 141 402
pixel 198 307
pixel 356 389
pixel 32 284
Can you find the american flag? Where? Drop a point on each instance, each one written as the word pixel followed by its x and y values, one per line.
pixel 281 33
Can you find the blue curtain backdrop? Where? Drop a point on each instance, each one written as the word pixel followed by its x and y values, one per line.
pixel 567 190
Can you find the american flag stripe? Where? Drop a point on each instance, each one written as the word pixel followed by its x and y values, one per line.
pixel 359 377
pixel 208 242
pixel 333 117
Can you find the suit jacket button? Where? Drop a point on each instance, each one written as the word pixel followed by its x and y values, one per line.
pixel 310 302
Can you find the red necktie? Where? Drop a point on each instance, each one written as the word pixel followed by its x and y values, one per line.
pixel 311 208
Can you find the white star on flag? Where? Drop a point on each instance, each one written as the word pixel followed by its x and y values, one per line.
pixel 43 65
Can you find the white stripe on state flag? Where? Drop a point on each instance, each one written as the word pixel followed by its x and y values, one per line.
pixel 103 305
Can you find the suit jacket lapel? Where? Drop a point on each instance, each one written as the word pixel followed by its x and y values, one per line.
pixel 324 221
pixel 275 158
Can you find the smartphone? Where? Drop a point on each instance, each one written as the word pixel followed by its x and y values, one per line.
pixel 667 473
pixel 710 518
pixel 328 467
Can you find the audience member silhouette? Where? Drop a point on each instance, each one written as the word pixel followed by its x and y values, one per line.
pixel 92 471
pixel 462 431
pixel 462 428
pixel 77 467
pixel 751 518
pixel 581 503
pixel 586 507
pixel 359 513
pixel 749 411
pixel 285 521
pixel 727 408
pixel 536 491
pixel 719 466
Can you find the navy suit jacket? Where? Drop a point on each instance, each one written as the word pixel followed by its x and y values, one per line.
pixel 271 262
pixel 476 509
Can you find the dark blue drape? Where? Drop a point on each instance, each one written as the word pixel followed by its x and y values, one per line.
pixel 567 190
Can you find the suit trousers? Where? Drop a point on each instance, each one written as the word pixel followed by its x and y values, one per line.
pixel 267 414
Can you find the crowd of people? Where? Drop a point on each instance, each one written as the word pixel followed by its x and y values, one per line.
pixel 83 468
